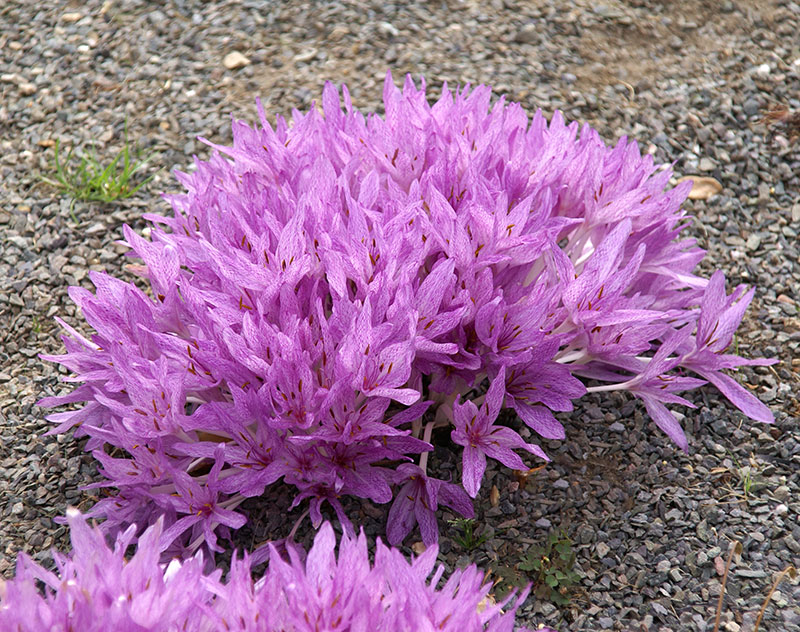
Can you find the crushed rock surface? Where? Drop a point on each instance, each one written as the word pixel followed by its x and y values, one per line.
pixel 689 79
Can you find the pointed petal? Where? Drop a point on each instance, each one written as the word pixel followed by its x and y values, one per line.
pixel 321 560
pixel 426 518
pixel 401 517
pixel 540 420
pixel 456 498
pixel 505 455
pixel 665 420
pixel 473 467
pixel 745 401
pixel 494 396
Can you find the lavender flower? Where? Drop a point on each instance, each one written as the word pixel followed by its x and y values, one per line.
pixel 96 588
pixel 475 430
pixel 328 292
pixel 416 502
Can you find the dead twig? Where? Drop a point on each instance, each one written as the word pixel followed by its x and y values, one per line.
pixel 736 549
pixel 792 573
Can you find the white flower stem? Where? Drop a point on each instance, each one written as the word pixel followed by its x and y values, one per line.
pixel 423 459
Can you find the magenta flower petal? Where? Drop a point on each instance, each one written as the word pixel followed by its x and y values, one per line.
pixel 96 588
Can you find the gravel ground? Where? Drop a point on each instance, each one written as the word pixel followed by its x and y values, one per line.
pixel 651 526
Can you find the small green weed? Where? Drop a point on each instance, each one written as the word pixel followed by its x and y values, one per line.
pixel 87 180
pixel 749 480
pixel 550 567
pixel 469 541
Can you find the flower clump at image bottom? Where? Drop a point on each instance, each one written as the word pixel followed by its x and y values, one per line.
pixel 96 589
pixel 330 291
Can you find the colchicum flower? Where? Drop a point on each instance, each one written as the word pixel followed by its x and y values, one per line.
pixel 330 290
pixel 95 589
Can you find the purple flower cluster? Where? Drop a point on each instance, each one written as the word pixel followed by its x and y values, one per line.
pixel 328 292
pixel 96 589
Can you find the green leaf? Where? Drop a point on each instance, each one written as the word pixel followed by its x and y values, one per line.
pixel 564 548
pixel 559 599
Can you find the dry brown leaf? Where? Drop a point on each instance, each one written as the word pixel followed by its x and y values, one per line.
pixel 521 476
pixel 703 187
pixel 494 496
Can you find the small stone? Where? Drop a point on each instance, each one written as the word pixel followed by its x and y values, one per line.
pixel 235 60
pixel 561 484
pixel 26 89
pixel 543 523
pixel 528 34
pixel 306 55
pixel 387 28
pixel 607 623
pixel 781 493
pixel 763 70
pixel 72 16
pixel 675 574
pixel 602 550
pixel 706 164
pixel 796 212
pixel 751 107
pixel 659 609
pixel 338 33
pixel 753 242
pixel 778 599
pixel 663 566
pixel 791 543
pixel 781 510
pixel 97 228
pixel 702 531
pixel 586 535
pixel 18 509
pixel 617 427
